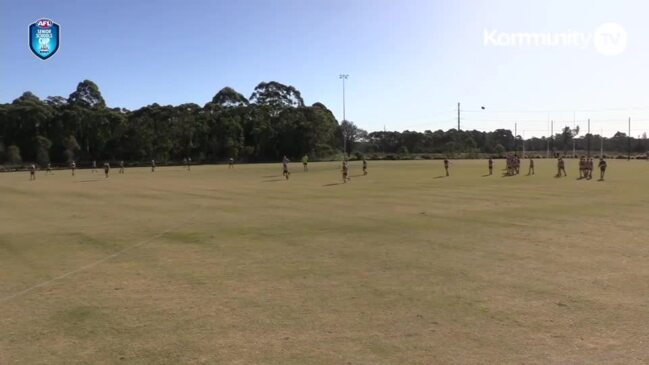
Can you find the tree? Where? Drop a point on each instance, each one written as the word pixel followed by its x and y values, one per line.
pixel 87 95
pixel 27 96
pixel 24 119
pixel 318 126
pixel 71 147
pixel 565 137
pixel 43 146
pixel 349 133
pixel 503 137
pixel 276 95
pixel 233 142
pixel 228 97
pixel 56 101
pixel 261 133
pixel 500 150
pixel 13 155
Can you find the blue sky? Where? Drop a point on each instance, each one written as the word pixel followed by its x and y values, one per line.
pixel 409 62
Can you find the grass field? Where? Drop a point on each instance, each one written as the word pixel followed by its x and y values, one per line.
pixel 402 266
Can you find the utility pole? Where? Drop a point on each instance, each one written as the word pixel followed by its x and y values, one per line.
pixel 458 116
pixel 590 136
pixel 601 143
pixel 344 77
pixel 552 135
pixel 547 152
pixel 629 141
pixel 574 128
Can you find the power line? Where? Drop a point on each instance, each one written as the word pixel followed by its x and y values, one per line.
pixel 561 110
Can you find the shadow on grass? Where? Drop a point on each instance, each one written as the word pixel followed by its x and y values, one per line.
pixel 440 177
pixel 487 175
pixel 274 180
pixel 333 184
pixel 85 181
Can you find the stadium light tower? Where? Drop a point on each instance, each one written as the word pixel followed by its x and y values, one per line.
pixel 344 77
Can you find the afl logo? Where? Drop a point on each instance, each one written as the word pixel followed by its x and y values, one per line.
pixel 44 38
pixel 44 23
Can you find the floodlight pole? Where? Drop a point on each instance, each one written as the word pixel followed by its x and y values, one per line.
pixel 629 141
pixel 344 77
pixel 458 117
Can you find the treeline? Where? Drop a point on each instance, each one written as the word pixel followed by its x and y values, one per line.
pixel 496 143
pixel 272 122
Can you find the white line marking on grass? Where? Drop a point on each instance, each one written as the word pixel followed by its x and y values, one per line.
pixel 93 264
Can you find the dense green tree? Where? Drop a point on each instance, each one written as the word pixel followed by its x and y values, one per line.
pixel 43 146
pixel 228 97
pixel 276 95
pixel 71 148
pixel 351 134
pixel 565 138
pixel 87 95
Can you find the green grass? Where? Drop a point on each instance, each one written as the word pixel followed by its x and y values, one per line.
pixel 398 267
